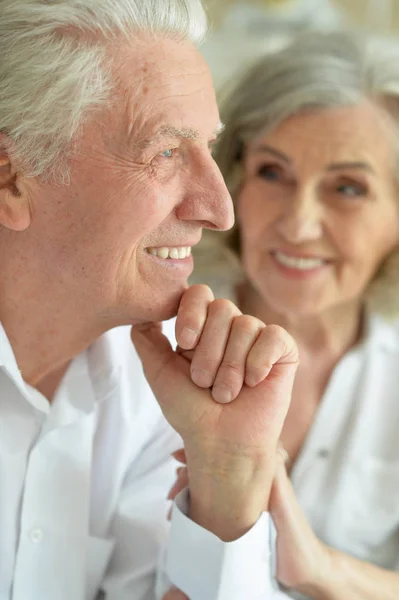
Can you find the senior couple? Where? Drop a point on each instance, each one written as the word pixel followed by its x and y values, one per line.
pixel 107 181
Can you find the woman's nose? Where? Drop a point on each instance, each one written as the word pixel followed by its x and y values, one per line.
pixel 301 221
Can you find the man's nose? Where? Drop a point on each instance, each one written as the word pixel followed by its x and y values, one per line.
pixel 208 199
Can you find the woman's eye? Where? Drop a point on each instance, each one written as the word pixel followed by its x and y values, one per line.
pixel 352 189
pixel 269 172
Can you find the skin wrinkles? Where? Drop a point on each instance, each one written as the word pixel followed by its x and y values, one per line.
pixel 119 202
pixel 264 148
pixel 301 210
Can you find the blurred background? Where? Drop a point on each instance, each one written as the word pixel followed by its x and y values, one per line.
pixel 241 29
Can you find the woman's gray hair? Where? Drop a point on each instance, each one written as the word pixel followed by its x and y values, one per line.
pixel 50 75
pixel 315 71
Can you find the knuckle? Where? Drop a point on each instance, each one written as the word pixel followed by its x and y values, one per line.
pixel 200 289
pixel 247 324
pixel 223 306
pixel 275 332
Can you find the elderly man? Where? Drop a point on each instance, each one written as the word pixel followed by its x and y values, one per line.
pixel 107 114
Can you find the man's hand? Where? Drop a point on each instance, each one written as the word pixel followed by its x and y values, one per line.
pixel 230 445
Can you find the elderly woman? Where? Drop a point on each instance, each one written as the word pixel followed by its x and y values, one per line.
pixel 310 154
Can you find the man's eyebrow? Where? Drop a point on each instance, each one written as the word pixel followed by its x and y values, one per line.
pixel 169 131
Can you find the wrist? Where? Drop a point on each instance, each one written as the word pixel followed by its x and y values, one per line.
pixel 228 491
pixel 321 585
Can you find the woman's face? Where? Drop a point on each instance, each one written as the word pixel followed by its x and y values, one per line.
pixel 317 208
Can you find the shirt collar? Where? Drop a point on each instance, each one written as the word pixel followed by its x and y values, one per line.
pixel 76 388
pixel 9 364
pixel 381 333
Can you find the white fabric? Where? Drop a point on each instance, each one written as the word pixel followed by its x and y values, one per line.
pixel 346 477
pixel 83 487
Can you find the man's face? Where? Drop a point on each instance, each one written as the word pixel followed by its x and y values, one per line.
pixel 143 185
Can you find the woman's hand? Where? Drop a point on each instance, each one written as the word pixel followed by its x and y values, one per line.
pixel 175 594
pixel 302 559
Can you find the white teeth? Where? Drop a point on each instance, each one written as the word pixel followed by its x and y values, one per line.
pixel 303 264
pixel 173 253
pixel 162 253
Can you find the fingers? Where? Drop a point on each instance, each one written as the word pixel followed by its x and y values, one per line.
pixel 180 456
pixel 274 345
pixel 211 347
pixel 180 484
pixel 282 455
pixel 175 594
pixel 283 503
pixel 192 315
pixel 227 349
pixel 232 370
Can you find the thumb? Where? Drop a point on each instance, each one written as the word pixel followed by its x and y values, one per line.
pixel 284 507
pixel 161 364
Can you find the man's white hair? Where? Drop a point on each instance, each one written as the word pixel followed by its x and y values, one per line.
pixel 50 77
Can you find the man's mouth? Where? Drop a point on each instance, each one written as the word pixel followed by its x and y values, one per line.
pixel 179 253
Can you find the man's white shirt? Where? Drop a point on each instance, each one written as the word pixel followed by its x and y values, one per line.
pixel 83 487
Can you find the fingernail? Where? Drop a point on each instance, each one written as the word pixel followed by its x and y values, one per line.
pixel 251 380
pixel 201 378
pixel 188 338
pixel 222 394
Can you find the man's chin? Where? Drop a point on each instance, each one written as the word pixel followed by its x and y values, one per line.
pixel 164 308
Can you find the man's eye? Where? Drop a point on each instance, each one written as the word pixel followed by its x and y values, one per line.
pixel 168 153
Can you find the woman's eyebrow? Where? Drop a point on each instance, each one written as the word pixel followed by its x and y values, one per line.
pixel 363 166
pixel 274 152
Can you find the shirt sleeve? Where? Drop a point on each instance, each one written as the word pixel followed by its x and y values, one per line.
pixel 140 527
pixel 205 568
pixel 151 555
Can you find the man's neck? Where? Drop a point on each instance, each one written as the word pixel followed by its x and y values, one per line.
pixel 46 330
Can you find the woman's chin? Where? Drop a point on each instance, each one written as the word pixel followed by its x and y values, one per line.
pixel 296 307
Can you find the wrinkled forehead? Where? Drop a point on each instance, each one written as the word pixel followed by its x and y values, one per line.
pixel 162 81
pixel 321 137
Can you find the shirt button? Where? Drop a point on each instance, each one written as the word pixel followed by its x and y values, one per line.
pixel 36 536
pixel 323 453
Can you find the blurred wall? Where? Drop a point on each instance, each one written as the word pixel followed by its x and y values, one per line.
pixel 358 11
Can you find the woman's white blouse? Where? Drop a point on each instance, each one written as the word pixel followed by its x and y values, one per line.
pixel 347 475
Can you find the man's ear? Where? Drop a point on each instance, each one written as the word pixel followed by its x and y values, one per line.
pixel 14 204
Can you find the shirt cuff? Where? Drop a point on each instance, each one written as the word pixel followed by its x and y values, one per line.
pixel 206 568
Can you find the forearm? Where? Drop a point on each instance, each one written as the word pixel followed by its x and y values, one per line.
pixel 353 579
